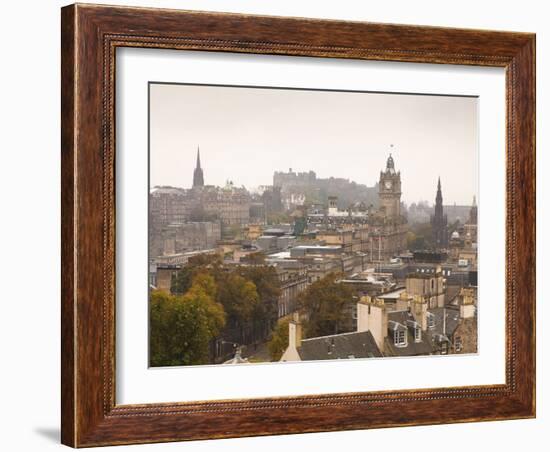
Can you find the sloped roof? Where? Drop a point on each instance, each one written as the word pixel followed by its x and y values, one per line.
pixel 452 319
pixel 339 346
pixel 404 318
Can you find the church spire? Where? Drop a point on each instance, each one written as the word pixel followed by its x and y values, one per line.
pixel 473 212
pixel 439 220
pixel 439 196
pixel 198 177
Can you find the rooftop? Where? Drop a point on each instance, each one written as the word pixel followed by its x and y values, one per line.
pixel 340 346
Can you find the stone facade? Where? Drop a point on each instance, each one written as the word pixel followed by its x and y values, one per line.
pixel 192 236
pixel 430 287
pixel 388 228
pixel 389 191
pixel 293 281
pixel 230 204
pixel 170 208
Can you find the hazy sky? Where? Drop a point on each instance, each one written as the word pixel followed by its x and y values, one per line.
pixel 245 134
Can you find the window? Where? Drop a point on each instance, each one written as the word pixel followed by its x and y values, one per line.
pixel 458 344
pixel 400 338
pixel 431 320
pixel 417 334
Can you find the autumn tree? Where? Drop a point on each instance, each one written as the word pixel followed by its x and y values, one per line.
pixel 182 280
pixel 267 284
pixel 279 340
pixel 238 297
pixel 181 327
pixel 421 238
pixel 204 291
pixel 323 303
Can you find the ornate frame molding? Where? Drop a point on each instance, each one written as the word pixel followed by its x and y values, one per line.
pixel 90 37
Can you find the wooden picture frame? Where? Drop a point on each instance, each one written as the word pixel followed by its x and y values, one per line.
pixel 90 35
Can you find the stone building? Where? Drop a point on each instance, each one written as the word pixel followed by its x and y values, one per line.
pixel 411 328
pixel 167 205
pixel 171 207
pixel 293 280
pixel 191 236
pixel 464 338
pixel 230 204
pixel 389 191
pixel 388 228
pixel 355 344
pixel 429 286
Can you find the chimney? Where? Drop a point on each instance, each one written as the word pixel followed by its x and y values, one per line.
pixel 372 316
pixel 466 302
pixel 295 332
pixel 419 310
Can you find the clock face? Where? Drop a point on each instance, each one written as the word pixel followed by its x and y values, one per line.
pixel 387 184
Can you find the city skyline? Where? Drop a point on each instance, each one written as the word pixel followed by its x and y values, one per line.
pixel 324 263
pixel 268 183
pixel 172 128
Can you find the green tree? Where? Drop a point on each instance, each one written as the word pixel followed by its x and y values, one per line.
pixel 182 280
pixel 422 239
pixel 267 284
pixel 238 297
pixel 204 291
pixel 279 340
pixel 323 303
pixel 181 327
pixel 179 330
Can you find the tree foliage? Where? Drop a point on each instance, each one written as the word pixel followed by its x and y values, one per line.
pixel 267 284
pixel 324 303
pixel 420 237
pixel 279 340
pixel 179 330
pixel 238 297
pixel 204 291
pixel 183 279
pixel 237 303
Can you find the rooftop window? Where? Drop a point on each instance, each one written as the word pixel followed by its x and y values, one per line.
pixel 417 334
pixel 400 337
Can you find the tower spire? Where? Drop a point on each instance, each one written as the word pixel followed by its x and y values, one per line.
pixel 198 157
pixel 198 177
pixel 439 220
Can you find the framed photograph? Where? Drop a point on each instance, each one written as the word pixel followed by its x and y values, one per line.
pixel 281 225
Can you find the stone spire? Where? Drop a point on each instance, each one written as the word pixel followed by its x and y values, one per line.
pixel 439 220
pixel 439 196
pixel 473 213
pixel 198 177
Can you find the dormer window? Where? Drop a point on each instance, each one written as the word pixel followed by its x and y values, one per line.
pixel 400 337
pixel 417 334
pixel 458 344
pixel 431 320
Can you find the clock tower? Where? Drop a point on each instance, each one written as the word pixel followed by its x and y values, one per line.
pixel 389 191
